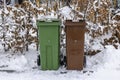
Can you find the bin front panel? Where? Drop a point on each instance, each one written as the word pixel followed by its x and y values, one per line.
pixel 75 45
pixel 49 45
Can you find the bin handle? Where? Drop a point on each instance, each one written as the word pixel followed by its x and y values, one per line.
pixel 48 20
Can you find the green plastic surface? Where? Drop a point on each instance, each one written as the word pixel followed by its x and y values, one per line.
pixel 49 44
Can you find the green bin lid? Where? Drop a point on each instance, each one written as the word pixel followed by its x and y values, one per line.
pixel 48 20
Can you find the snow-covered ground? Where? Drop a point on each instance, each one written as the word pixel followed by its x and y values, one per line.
pixel 102 66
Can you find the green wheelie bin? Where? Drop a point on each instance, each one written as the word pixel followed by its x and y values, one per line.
pixel 49 44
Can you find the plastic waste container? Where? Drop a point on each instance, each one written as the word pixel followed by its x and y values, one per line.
pixel 75 44
pixel 49 44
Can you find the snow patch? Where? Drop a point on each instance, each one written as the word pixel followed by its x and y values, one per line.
pixel 18 63
pixel 65 11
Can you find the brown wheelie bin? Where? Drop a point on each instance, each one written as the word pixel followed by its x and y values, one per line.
pixel 75 44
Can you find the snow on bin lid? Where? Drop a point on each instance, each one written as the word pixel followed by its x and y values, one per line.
pixel 49 20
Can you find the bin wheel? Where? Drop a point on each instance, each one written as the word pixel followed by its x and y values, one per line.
pixel 84 64
pixel 63 60
pixel 38 60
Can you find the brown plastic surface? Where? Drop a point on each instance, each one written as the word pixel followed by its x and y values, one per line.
pixel 75 44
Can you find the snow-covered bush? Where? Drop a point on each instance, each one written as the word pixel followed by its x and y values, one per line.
pixel 100 29
pixel 19 27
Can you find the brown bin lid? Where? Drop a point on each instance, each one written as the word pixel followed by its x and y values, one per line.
pixel 69 23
